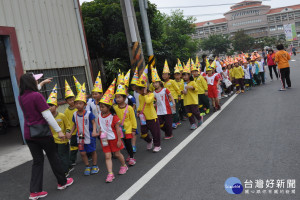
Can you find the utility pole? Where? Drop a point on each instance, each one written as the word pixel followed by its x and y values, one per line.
pixel 143 10
pixel 133 36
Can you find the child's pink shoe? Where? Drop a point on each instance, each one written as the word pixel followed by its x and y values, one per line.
pixel 156 149
pixel 149 145
pixel 131 161
pixel 127 159
pixel 37 195
pixel 123 170
pixel 110 178
pixel 70 181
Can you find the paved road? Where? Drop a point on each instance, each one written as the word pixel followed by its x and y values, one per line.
pixel 257 136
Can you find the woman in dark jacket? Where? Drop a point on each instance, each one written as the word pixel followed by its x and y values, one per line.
pixel 36 112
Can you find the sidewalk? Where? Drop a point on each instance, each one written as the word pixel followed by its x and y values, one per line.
pixel 12 150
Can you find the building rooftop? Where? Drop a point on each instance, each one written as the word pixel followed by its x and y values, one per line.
pixel 247 4
pixel 210 22
pixel 283 9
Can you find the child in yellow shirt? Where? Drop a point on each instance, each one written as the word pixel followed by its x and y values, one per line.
pixel 148 115
pixel 180 112
pixel 69 112
pixel 190 93
pixel 238 77
pixel 62 145
pixel 202 92
pixel 126 115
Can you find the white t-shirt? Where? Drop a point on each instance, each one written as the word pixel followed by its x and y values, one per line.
pixel 218 67
pixel 136 96
pixel 88 126
pixel 211 79
pixel 106 124
pixel 247 73
pixel 225 74
pixel 162 102
pixel 253 68
pixel 95 109
pixel 261 66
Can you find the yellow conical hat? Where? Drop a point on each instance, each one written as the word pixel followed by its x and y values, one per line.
pixel 155 76
pixel 121 89
pixel 179 65
pixel 120 78
pixel 98 84
pixel 166 68
pixel 208 68
pixel 187 68
pixel 135 77
pixel 81 96
pixel 77 84
pixel 108 95
pixel 68 90
pixel 83 88
pixel 177 70
pixel 142 81
pixel 193 66
pixel 126 78
pixel 53 96
pixel 197 63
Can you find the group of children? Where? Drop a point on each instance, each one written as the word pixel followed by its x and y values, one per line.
pixel 111 117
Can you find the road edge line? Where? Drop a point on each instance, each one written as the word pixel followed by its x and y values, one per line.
pixel 139 184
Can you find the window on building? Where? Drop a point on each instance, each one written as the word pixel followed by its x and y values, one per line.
pixel 291 16
pixel 297 24
pixel 280 27
pixel 271 19
pixel 284 17
pixel 278 18
pixel 272 28
pixel 297 14
pixel 59 76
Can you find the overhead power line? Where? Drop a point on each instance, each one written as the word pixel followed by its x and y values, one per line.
pixel 204 14
pixel 200 6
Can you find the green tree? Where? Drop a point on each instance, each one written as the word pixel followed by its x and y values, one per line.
pixel 216 44
pixel 175 41
pixel 103 22
pixel 242 42
pixel 261 43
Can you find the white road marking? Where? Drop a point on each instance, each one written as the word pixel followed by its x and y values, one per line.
pixel 130 192
pixel 18 156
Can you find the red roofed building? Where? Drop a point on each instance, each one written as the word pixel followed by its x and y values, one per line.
pixel 256 19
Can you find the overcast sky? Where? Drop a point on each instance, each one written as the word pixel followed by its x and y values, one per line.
pixel 209 13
